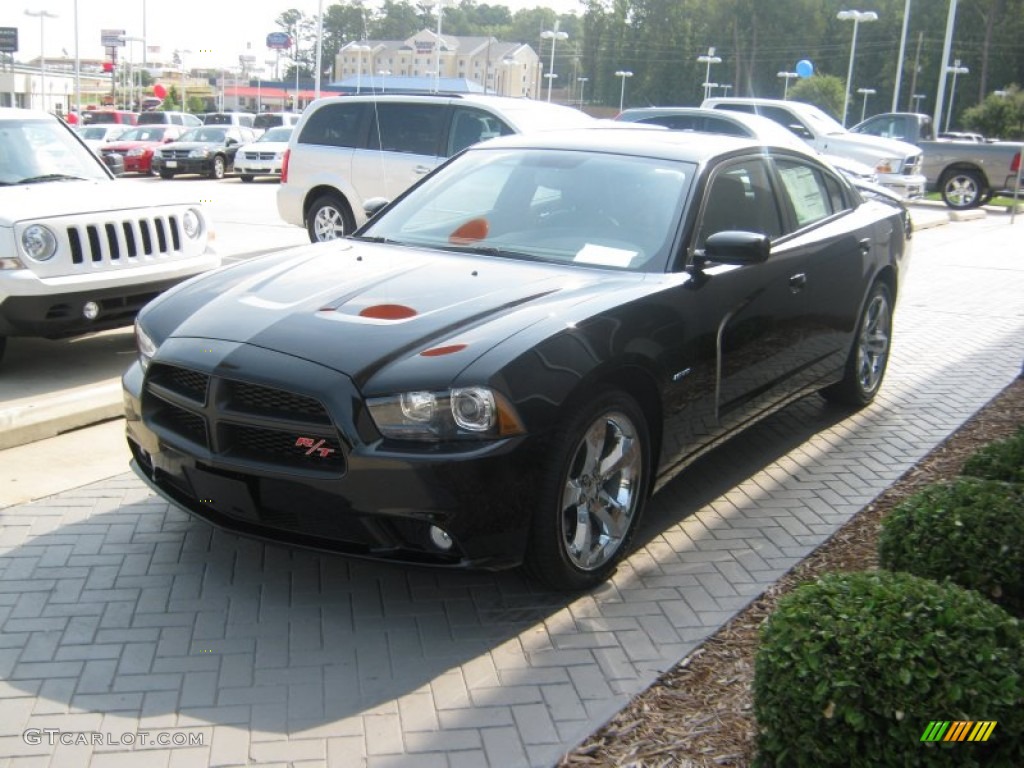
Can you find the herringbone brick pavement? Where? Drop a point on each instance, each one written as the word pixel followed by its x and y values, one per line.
pixel 124 620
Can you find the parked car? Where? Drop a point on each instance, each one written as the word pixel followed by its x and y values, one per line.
pixel 348 149
pixel 229 118
pixel 108 117
pixel 79 251
pixel 136 145
pixel 264 156
pixel 506 361
pixel 966 173
pixel 897 163
pixel 98 135
pixel 208 150
pixel 266 120
pixel 727 123
pixel 160 117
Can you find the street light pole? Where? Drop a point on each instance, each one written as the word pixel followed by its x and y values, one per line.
pixel 359 49
pixel 947 46
pixel 583 84
pixel 708 58
pixel 623 73
pixel 787 76
pixel 899 61
pixel 131 63
pixel 319 44
pixel 554 36
pixel 955 70
pixel 42 16
pixel 856 17
pixel 865 92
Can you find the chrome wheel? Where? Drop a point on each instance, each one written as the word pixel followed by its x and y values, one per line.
pixel 601 491
pixel 962 190
pixel 873 344
pixel 328 220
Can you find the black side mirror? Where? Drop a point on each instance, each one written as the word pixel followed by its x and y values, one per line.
pixel 735 247
pixel 374 205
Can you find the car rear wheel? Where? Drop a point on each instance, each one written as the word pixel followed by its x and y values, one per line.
pixel 217 171
pixel 963 189
pixel 328 219
pixel 865 366
pixel 247 178
pixel 593 491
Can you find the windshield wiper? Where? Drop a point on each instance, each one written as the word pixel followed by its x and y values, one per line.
pixel 50 177
pixel 501 253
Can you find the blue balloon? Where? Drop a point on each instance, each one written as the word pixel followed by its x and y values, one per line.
pixel 804 68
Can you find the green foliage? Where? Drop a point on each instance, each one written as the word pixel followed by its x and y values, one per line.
pixel 999 115
pixel 968 531
pixel 824 91
pixel 853 667
pixel 1000 460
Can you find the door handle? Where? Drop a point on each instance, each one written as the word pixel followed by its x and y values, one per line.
pixel 797 282
pixel 865 246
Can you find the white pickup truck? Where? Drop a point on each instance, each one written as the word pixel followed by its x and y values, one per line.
pixel 79 250
pixel 897 163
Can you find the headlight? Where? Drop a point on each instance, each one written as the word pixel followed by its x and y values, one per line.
pixel 458 414
pixel 136 152
pixel 145 345
pixel 192 223
pixel 888 165
pixel 199 153
pixel 39 242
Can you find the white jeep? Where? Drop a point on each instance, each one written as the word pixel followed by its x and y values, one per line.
pixel 79 250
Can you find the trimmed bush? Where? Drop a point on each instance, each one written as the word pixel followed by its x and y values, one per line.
pixel 1000 460
pixel 852 669
pixel 969 531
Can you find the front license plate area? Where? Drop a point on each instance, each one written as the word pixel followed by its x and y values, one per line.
pixel 171 163
pixel 224 494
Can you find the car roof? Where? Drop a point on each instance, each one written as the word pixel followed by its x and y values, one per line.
pixel 688 146
pixel 17 113
pixel 759 126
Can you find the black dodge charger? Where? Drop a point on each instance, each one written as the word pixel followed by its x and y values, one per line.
pixel 504 363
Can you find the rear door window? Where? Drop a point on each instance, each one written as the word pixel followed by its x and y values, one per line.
pixel 412 129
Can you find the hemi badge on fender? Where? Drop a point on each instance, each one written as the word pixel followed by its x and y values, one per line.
pixel 682 374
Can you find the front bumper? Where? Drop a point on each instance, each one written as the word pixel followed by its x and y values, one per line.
pixel 270 446
pixel 183 165
pixel 251 168
pixel 908 187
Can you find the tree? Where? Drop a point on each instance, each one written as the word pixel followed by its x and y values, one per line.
pixel 824 91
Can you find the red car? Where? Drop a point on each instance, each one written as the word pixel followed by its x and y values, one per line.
pixel 136 145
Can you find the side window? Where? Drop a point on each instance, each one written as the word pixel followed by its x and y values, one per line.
pixel 739 197
pixel 471 126
pixel 176 119
pixel 334 125
pixel 835 194
pixel 413 129
pixel 725 127
pixel 675 122
pixel 808 192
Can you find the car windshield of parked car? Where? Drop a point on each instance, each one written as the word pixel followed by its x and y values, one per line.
pixel 44 150
pixel 206 134
pixel 563 206
pixel 280 134
pixel 826 124
pixel 146 133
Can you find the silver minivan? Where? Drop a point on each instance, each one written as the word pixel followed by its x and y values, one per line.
pixel 348 149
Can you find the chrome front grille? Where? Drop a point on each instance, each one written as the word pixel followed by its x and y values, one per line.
pixel 113 242
pixel 241 422
pixel 259 155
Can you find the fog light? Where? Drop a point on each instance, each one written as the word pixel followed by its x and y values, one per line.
pixel 91 310
pixel 440 539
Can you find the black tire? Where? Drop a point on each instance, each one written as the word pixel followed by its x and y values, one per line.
pixel 869 354
pixel 577 538
pixel 166 175
pixel 217 171
pixel 3 346
pixel 246 178
pixel 329 218
pixel 963 189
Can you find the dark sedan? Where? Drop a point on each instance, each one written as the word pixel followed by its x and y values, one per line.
pixel 504 363
pixel 208 150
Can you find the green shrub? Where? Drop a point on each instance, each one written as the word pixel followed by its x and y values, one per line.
pixel 852 669
pixel 1000 460
pixel 969 531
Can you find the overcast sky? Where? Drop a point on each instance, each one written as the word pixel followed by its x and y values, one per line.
pixel 216 31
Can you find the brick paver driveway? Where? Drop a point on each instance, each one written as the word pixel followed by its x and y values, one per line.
pixel 124 621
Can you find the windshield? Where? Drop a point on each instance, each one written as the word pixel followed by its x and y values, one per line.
pixel 563 206
pixel 205 134
pixel 32 150
pixel 96 132
pixel 148 133
pixel 281 134
pixel 825 123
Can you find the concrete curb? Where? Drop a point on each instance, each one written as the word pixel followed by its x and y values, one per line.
pixel 59 413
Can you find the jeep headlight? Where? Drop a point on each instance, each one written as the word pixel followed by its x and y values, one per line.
pixel 457 414
pixel 192 224
pixel 39 242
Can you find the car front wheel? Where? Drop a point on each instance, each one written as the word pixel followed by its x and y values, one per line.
pixel 166 175
pixel 328 219
pixel 593 492
pixel 217 171
pixel 246 178
pixel 963 189
pixel 865 366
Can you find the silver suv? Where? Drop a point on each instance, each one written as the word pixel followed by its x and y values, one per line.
pixel 348 149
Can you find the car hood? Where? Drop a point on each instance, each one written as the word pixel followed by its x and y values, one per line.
pixel 194 145
pixel 862 144
pixel 28 202
pixel 124 146
pixel 264 146
pixel 360 307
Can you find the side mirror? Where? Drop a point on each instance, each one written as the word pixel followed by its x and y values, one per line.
pixel 735 247
pixel 374 205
